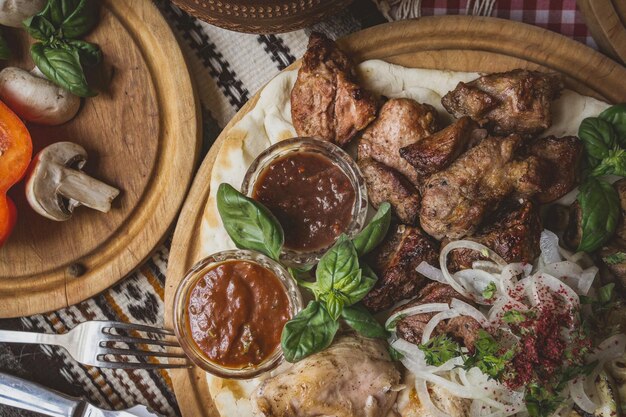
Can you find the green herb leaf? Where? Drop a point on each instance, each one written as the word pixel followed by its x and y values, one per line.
pixel 490 290
pixel 367 282
pixel 334 304
pixel 62 67
pixel 337 264
pixel 615 258
pixel 393 323
pixel 39 27
pixel 72 18
pixel 394 354
pixel 439 350
pixel 248 223
pixel 613 164
pixel 89 53
pixel 513 317
pixel 605 294
pixel 598 137
pixel 540 402
pixel 310 331
pixel 487 356
pixel 375 231
pixel 599 204
pixel 5 53
pixel 361 320
pixel 616 116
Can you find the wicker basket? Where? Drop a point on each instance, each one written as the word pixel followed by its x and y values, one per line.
pixel 262 16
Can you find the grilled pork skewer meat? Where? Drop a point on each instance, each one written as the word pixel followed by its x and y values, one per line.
pixel 517 101
pixel 326 101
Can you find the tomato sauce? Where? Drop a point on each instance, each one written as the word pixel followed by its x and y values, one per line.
pixel 236 313
pixel 311 197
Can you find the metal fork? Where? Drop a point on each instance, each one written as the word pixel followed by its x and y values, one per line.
pixel 88 343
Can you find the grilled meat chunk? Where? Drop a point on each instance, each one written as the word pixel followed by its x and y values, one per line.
pixel 440 149
pixel 354 377
pixel 463 329
pixel 513 232
pixel 394 261
pixel 326 101
pixel 517 101
pixel 387 184
pixel 456 200
pixel 563 156
pixel 401 122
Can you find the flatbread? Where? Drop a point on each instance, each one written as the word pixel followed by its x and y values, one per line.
pixel 270 121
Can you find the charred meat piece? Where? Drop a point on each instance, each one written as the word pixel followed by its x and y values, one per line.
pixel 513 233
pixel 440 149
pixel 387 184
pixel 401 122
pixel 517 101
pixel 326 101
pixel 394 261
pixel 456 200
pixel 563 156
pixel 463 329
pixel 354 377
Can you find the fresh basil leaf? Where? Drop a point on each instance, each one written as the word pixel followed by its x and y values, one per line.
pixel 599 204
pixel 89 53
pixel 310 331
pixel 372 234
pixel 72 18
pixel 361 320
pixel 5 53
pixel 598 137
pixel 62 67
pixel 613 164
pixel 364 287
pixel 248 223
pixel 616 116
pixel 334 304
pixel 39 28
pixel 338 263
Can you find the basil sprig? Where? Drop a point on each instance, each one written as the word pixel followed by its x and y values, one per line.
pixel 311 330
pixel 249 223
pixel 59 54
pixel 604 138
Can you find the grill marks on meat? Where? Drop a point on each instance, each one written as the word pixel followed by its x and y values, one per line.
pixel 354 377
pixel 562 156
pixel 456 200
pixel 401 122
pixel 462 329
pixel 394 261
pixel 326 101
pixel 513 233
pixel 440 149
pixel 517 101
pixel 387 184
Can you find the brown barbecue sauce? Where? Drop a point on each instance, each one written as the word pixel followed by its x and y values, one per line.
pixel 310 196
pixel 236 313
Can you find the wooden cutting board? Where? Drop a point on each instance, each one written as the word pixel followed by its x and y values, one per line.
pixel 142 135
pixel 456 43
pixel 607 22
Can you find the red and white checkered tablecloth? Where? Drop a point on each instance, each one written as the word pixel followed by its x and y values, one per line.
pixel 561 16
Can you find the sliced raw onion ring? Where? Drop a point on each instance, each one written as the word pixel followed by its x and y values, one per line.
pixel 434 321
pixel 431 272
pixel 412 311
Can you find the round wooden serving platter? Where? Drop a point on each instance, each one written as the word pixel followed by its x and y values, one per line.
pixel 451 42
pixel 607 22
pixel 142 136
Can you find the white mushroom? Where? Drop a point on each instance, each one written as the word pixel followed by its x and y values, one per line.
pixel 14 12
pixel 56 185
pixel 36 99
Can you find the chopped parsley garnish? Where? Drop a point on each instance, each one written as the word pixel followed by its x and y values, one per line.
pixel 439 350
pixel 541 402
pixel 513 317
pixel 490 291
pixel 488 356
pixel 614 259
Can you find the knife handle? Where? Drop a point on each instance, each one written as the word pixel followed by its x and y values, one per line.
pixel 26 395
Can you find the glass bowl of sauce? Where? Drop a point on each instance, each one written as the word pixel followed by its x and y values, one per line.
pixel 315 190
pixel 230 310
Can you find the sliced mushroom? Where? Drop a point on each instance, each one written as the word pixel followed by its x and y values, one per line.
pixel 14 12
pixel 56 184
pixel 36 99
